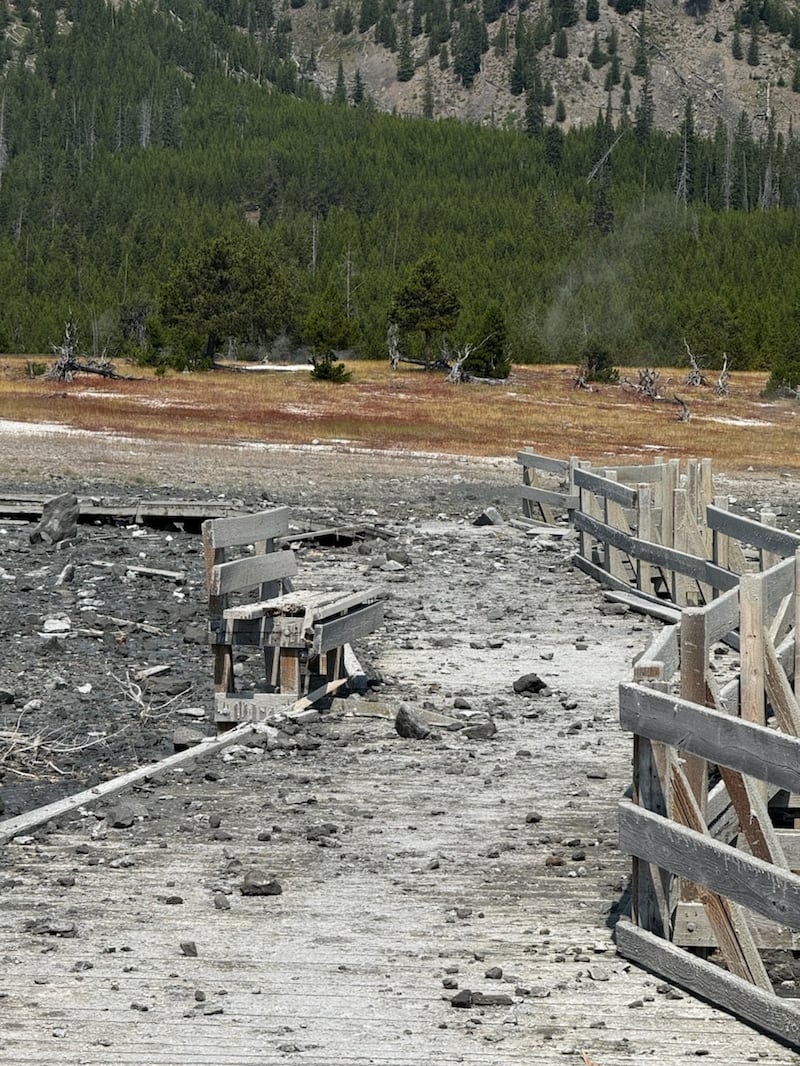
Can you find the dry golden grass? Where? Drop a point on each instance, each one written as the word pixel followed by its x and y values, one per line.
pixel 410 409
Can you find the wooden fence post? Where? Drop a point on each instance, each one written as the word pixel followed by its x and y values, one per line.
pixel 768 518
pixel 706 496
pixel 752 700
pixel 694 670
pixel 644 531
pixel 720 554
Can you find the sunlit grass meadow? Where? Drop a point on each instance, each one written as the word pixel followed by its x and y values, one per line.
pixel 414 410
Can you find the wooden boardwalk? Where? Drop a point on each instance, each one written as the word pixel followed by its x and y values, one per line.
pixel 437 872
pixel 347 965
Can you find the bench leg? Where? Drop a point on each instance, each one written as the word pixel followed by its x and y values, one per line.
pixel 223 668
pixel 289 671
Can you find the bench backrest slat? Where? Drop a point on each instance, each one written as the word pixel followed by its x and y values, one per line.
pixel 246 529
pixel 249 573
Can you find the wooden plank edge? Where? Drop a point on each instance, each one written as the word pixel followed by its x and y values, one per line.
pixel 542 462
pixel 22 823
pixel 663 611
pixel 772 1015
pixel 715 736
pixel 741 878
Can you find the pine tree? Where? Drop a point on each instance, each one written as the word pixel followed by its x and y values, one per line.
pixel 645 112
pixel 428 103
pixel 752 48
pixel 796 78
pixel 561 111
pixel 491 357
pixel 626 90
pixel 405 57
pixel 563 12
pixel 416 19
pixel 534 114
pixel 597 56
pixel 340 91
pixel 500 41
pixel 736 45
pixel 603 207
pixel 370 11
pixel 592 10
pixel 554 145
pixel 425 303
pixel 517 76
pixel 613 75
pixel 640 64
pixel 685 180
pixel 358 92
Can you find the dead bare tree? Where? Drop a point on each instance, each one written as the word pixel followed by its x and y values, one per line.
pixel 393 342
pixel 695 376
pixel 647 387
pixel 456 374
pixel 722 387
pixel 684 414
pixel 580 380
pixel 68 362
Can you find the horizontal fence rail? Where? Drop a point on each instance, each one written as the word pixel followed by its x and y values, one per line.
pixel 713 823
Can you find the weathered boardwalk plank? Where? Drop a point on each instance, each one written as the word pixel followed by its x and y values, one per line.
pixel 346 967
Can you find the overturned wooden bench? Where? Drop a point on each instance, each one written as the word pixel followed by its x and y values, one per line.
pixel 252 605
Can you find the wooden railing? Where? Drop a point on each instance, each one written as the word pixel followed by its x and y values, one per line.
pixel 711 824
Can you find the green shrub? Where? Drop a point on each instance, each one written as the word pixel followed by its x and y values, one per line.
pixel 328 368
pixel 598 364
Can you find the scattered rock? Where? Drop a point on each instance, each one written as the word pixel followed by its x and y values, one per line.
pixel 482 730
pixel 410 725
pixel 258 883
pixel 59 520
pixel 124 815
pixel 185 737
pixel 462 999
pixel 489 517
pixel 530 685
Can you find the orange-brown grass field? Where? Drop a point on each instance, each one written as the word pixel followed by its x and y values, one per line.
pixel 416 410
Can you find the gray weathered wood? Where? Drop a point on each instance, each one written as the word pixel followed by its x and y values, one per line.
pixel 718 867
pixel 749 531
pixel 246 529
pixel 249 573
pixel 664 650
pixel 24 823
pixel 346 629
pixel 691 929
pixel 604 486
pixel 718 737
pixel 543 462
pixel 663 611
pixel 650 887
pixel 554 499
pixel 668 558
pixel 779 1017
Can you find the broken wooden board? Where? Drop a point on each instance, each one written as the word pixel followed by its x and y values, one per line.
pixel 24 823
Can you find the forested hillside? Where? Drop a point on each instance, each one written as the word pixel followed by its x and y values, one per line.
pixel 170 181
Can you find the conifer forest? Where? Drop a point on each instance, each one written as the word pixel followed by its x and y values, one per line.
pixel 174 182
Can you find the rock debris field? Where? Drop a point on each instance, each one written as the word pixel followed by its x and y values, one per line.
pixel 446 894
